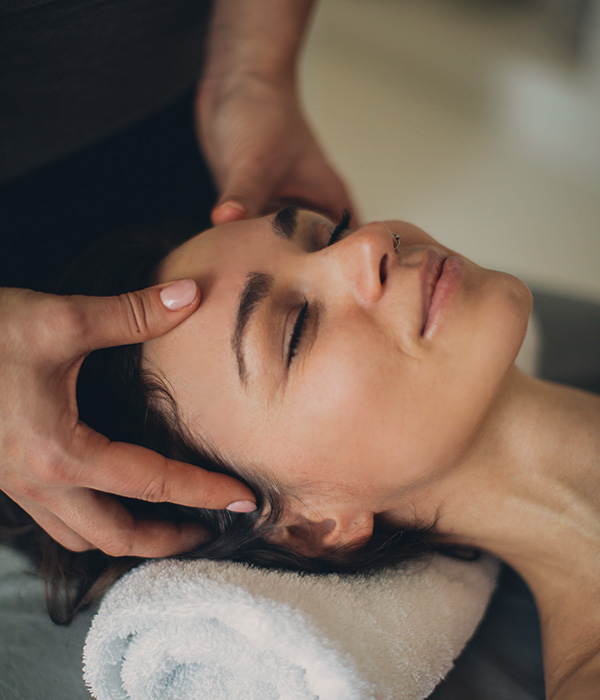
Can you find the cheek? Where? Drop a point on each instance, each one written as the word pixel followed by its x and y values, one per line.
pixel 361 414
pixel 329 408
pixel 354 413
pixel 473 357
pixel 489 328
pixel 366 414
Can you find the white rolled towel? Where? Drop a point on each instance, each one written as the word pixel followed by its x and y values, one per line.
pixel 191 630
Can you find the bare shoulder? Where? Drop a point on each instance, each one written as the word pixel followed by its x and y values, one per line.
pixel 582 684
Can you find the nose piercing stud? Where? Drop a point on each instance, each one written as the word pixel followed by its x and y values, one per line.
pixel 397 237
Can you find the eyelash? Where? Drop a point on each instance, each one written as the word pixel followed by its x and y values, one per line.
pixel 341 228
pixel 300 325
pixel 298 332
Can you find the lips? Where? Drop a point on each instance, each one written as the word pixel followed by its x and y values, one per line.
pixel 434 268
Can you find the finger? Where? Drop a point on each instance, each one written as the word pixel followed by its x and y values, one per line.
pixel 137 472
pixel 227 212
pixel 247 189
pixel 317 181
pixel 110 527
pixel 316 186
pixel 99 322
pixel 334 207
pixel 54 526
pixel 330 195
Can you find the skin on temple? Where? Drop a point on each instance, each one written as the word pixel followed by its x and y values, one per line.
pixel 392 405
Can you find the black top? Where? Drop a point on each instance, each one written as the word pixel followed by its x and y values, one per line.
pixel 73 72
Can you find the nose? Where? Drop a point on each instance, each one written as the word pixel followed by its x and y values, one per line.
pixel 362 259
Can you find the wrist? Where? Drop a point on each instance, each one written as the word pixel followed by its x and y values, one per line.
pixel 231 65
pixel 255 40
pixel 244 88
pixel 215 89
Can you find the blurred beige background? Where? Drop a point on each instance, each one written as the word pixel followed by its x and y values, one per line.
pixel 478 120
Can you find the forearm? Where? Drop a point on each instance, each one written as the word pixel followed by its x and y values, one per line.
pixel 260 38
pixel 249 119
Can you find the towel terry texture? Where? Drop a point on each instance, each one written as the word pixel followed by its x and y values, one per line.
pixel 183 630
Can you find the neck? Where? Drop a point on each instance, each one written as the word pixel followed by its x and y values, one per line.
pixel 528 491
pixel 530 479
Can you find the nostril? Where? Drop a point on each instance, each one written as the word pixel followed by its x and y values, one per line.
pixel 383 269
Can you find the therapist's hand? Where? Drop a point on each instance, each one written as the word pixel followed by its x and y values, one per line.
pixel 261 150
pixel 59 470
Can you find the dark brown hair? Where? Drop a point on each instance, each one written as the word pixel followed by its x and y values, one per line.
pixel 121 399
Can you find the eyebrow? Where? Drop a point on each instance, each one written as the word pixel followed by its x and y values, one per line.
pixel 257 288
pixel 285 222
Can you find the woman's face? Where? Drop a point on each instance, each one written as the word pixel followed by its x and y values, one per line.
pixel 349 373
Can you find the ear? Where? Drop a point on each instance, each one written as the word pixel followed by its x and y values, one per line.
pixel 316 535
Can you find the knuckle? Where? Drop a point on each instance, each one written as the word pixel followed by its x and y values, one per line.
pixel 83 547
pixel 118 542
pixel 157 490
pixel 119 539
pixel 22 488
pixel 34 465
pixel 118 549
pixel 136 315
pixel 76 544
pixel 52 471
pixel 14 449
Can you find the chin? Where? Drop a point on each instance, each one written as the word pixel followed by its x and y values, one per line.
pixel 504 318
pixel 518 302
pixel 493 335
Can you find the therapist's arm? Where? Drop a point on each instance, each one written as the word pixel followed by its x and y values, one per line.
pixel 59 470
pixel 249 120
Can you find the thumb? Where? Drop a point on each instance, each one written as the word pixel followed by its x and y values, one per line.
pixel 226 212
pixel 134 317
pixel 245 193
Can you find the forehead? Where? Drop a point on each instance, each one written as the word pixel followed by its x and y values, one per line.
pixel 243 246
pixel 196 357
pixel 207 256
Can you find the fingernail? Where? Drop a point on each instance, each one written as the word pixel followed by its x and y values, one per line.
pixel 242 507
pixel 228 212
pixel 179 294
pixel 233 204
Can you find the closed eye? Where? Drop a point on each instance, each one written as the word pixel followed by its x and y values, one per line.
pixel 304 313
pixel 298 332
pixel 341 228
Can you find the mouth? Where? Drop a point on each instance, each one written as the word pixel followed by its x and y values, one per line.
pixel 433 271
